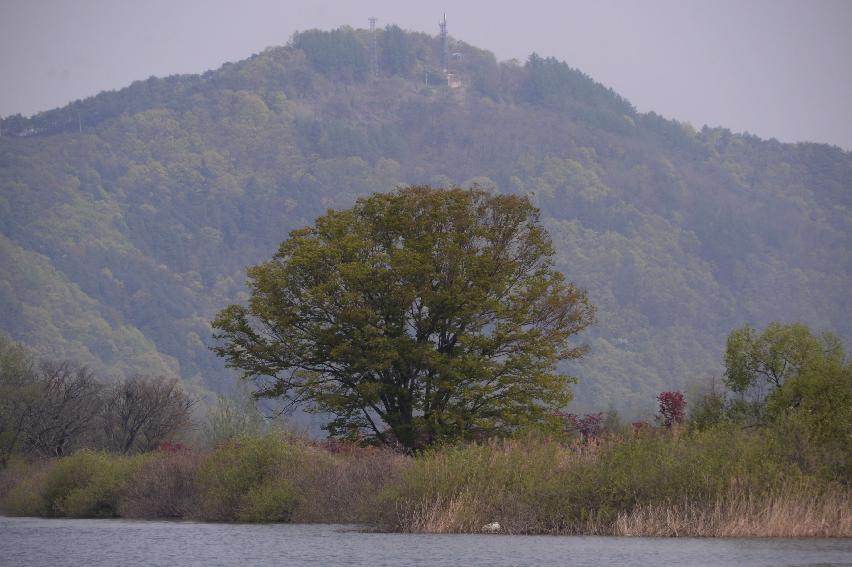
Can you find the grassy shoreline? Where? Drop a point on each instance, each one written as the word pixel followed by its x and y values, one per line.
pixel 720 483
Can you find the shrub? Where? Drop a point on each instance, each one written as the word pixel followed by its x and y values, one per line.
pixel 228 478
pixel 162 487
pixel 10 475
pixel 85 485
pixel 709 410
pixel 660 469
pixel 614 425
pixel 672 408
pixel 811 417
pixel 339 482
pixel 23 489
pixel 270 501
pixel 589 426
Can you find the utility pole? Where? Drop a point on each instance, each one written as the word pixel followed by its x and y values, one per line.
pixel 374 49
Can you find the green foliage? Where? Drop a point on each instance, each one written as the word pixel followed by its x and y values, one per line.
pixel 396 54
pixel 433 313
pixel 754 359
pixel 541 487
pixel 241 480
pixel 271 501
pixel 554 84
pixel 337 53
pixel 614 424
pixel 530 484
pixel 807 414
pixel 119 243
pixel 230 418
pixel 85 485
pixel 18 392
pixel 707 411
pixel 54 316
pixel 812 414
pixel 697 467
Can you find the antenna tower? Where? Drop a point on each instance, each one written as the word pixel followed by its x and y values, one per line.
pixel 374 49
pixel 445 43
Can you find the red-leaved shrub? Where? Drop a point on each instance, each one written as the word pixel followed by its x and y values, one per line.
pixel 672 408
pixel 588 426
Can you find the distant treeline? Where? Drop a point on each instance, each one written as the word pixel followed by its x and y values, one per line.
pixel 343 55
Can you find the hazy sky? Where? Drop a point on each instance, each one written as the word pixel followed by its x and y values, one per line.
pixel 775 68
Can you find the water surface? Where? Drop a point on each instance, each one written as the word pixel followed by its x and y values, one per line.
pixel 39 542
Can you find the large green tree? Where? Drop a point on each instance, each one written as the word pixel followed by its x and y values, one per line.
pixel 416 316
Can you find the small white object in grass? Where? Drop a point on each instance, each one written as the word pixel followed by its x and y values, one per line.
pixel 492 528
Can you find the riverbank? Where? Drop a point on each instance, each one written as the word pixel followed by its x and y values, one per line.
pixel 717 483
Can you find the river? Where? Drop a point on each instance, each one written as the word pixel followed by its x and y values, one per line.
pixel 39 542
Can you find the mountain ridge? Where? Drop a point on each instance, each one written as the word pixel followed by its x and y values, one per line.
pixel 151 200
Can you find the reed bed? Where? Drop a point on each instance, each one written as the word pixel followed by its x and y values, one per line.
pixel 802 512
pixel 713 484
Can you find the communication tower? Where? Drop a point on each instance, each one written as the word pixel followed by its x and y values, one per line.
pixel 374 49
pixel 445 43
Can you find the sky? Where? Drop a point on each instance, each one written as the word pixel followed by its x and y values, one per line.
pixel 774 68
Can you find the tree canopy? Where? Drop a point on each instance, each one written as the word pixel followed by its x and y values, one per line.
pixel 775 354
pixel 808 404
pixel 413 317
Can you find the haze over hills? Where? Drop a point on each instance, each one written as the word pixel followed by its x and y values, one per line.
pixel 128 218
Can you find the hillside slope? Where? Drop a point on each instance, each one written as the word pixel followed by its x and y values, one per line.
pixel 128 218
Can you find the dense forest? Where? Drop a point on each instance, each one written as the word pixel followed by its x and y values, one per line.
pixel 128 218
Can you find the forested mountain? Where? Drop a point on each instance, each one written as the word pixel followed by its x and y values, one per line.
pixel 128 218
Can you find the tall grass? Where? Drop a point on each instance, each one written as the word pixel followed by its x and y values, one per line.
pixel 802 511
pixel 540 486
pixel 716 483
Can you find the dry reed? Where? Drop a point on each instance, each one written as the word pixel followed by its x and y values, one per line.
pixel 441 515
pixel 801 512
